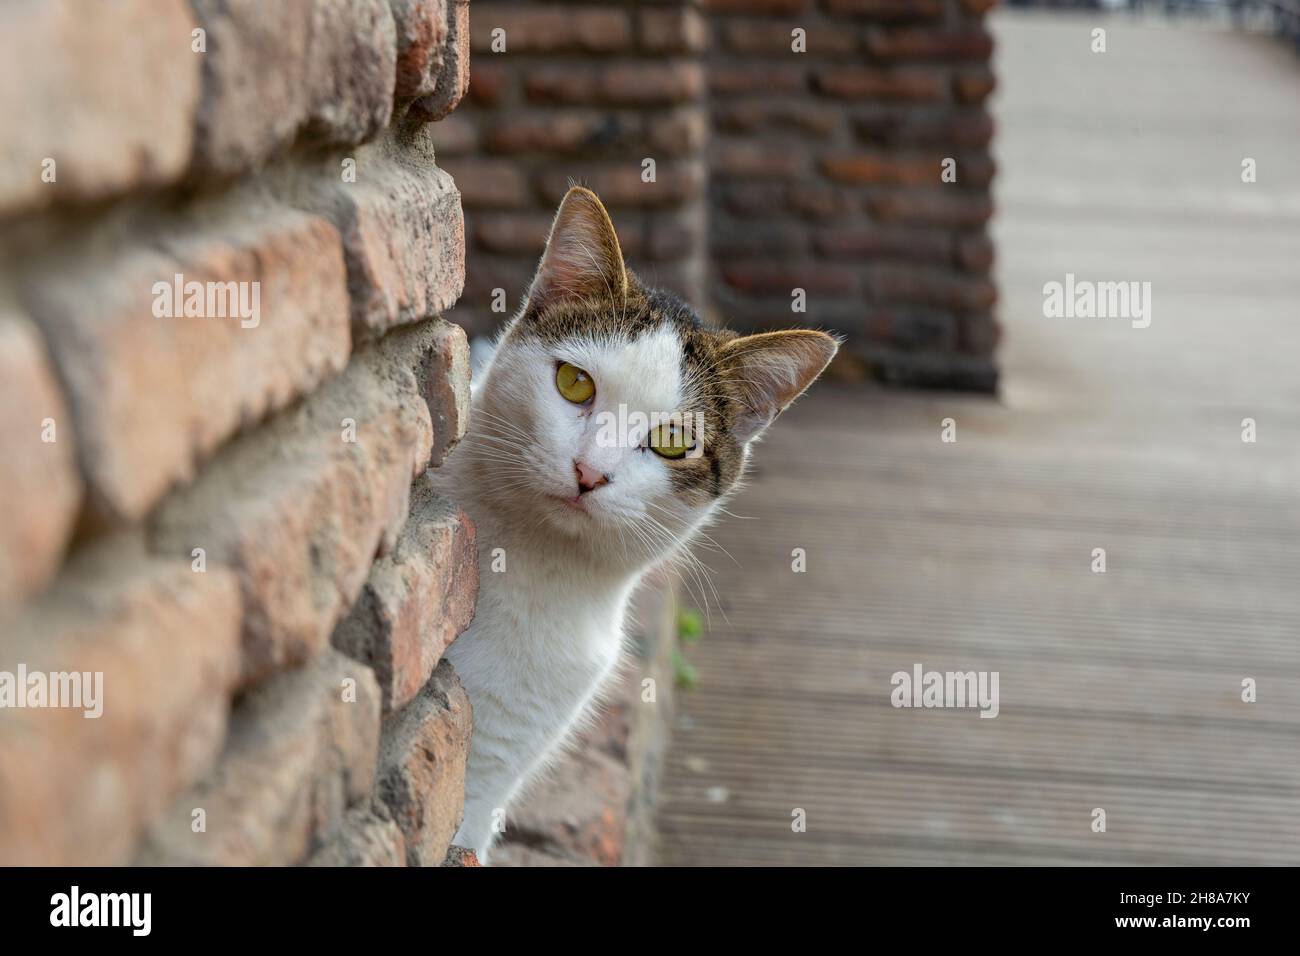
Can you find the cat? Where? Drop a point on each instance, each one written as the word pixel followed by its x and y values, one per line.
pixel 571 509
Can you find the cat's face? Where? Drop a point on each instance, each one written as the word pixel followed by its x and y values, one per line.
pixel 608 407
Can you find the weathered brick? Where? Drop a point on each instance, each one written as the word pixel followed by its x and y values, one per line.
pixel 912 329
pixel 534 29
pixel 366 837
pixel 460 856
pixel 677 235
pixel 752 200
pixel 746 240
pixel 489 83
pixel 857 83
pixel 804 117
pixel 417 599
pixel 676 29
pixel 454 136
pixel 152 395
pixel 978 7
pixel 521 234
pixel 38 478
pixel 421 776
pixel 300 507
pixel 302 750
pixel 403 231
pixel 276 71
pixel 66 95
pixel 453 76
pixel 421 28
pixel 77 791
pixel 979 333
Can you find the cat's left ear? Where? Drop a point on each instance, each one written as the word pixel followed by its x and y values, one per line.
pixel 770 370
pixel 582 258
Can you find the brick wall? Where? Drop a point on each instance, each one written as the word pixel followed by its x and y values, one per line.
pixel 583 92
pixel 826 176
pixel 812 163
pixel 226 517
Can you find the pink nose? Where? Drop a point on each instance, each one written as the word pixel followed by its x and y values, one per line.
pixel 589 478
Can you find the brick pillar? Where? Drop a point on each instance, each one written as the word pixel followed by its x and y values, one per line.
pixel 583 93
pixel 826 173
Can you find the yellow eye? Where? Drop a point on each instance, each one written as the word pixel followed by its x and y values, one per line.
pixel 670 441
pixel 574 384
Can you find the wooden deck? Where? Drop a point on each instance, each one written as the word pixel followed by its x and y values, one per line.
pixel 1119 690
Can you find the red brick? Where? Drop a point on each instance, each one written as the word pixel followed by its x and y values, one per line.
pixel 815 200
pixel 746 240
pixel 864 168
pixel 151 396
pixel 803 117
pixel 677 29
pixel 978 7
pixel 874 242
pixel 753 200
pixel 974 253
pixel 489 183
pixel 421 775
pixel 886 9
pixel 766 37
pixel 302 750
pixel 935 208
pixel 911 329
pixel 534 29
pixel 452 81
pixel 273 71
pixel 460 856
pixel 895 126
pixel 927 44
pixel 978 333
pixel 627 83
pixel 403 234
pixel 488 83
pixel 166 639
pixel 564 132
pixel 421 31
pixel 859 83
pixel 299 512
pixel 64 95
pixel 417 599
pixel 679 235
pixel 781 278
pixel 923 286
pixel 764 7
pixel 40 479
pixel 621 185
pixel 742 159
pixel 756 80
pixel 456 135
pixel 677 132
pixel 521 234
pixel 973 85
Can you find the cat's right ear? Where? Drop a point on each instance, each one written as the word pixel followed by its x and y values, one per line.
pixel 582 258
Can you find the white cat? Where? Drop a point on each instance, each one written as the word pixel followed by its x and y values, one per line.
pixel 571 509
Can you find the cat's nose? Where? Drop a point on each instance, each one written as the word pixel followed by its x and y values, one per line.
pixel 589 479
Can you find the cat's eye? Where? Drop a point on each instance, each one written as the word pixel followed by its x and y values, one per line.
pixel 671 441
pixel 574 384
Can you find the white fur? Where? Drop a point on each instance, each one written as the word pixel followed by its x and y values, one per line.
pixel 548 631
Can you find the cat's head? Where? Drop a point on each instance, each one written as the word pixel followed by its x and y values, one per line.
pixel 608 406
